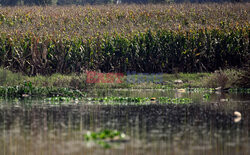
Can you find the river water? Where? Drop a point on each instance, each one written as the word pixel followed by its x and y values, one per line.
pixel 207 126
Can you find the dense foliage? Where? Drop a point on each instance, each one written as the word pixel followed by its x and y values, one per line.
pixel 149 38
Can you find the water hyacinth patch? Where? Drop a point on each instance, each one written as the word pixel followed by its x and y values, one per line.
pixel 119 99
pixel 62 100
pixel 240 90
pixel 108 135
pixel 140 100
pixel 175 100
pixel 105 137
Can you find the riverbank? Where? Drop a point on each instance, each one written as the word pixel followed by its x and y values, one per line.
pixel 75 85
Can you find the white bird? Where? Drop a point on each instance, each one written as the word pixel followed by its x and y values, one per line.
pixel 238 116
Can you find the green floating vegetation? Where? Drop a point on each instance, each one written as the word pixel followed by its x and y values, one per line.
pixel 57 99
pixel 175 100
pixel 142 100
pixel 105 137
pixel 211 90
pixel 120 99
pixel 240 90
pixel 60 100
pixel 207 96
pixel 199 90
pixel 27 90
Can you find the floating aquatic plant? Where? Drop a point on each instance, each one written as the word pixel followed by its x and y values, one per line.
pixel 240 90
pixel 61 100
pixel 105 137
pixel 206 96
pixel 141 100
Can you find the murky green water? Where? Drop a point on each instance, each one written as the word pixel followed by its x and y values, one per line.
pixel 204 127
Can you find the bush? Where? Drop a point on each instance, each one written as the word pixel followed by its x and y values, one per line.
pixel 223 79
pixel 244 80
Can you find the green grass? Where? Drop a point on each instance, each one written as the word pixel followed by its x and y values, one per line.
pixel 23 91
pixel 190 80
pixel 227 78
pixel 18 86
pixel 8 78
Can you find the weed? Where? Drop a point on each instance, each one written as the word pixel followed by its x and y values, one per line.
pixel 141 100
pixel 104 137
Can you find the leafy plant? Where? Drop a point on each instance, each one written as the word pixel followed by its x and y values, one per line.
pixel 104 137
pixel 141 100
pixel 244 80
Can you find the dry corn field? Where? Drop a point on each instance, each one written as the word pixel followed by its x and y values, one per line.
pixel 145 38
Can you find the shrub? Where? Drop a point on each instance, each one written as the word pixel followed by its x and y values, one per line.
pixel 244 80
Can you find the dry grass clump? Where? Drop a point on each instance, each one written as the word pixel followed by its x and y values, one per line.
pixel 244 80
pixel 224 79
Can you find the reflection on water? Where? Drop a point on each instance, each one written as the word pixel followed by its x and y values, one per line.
pixel 30 127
